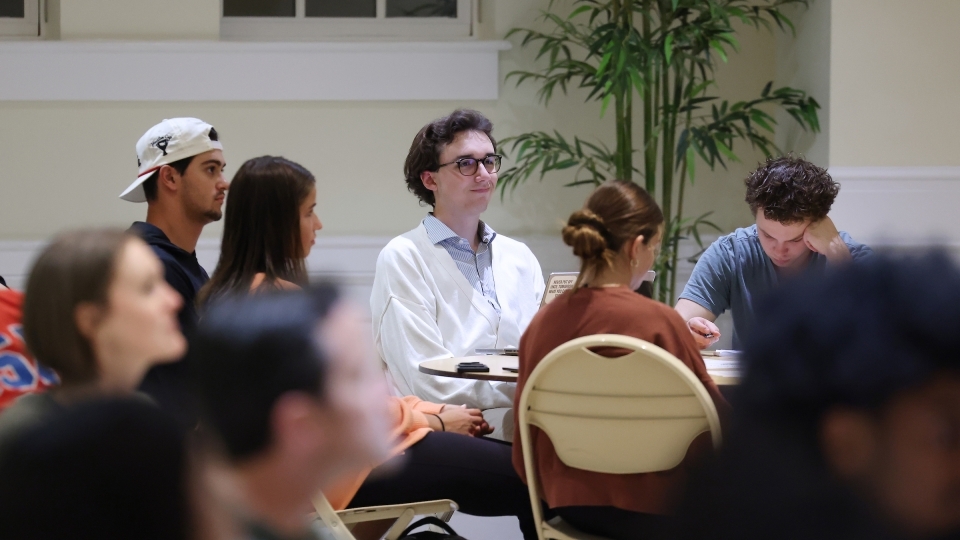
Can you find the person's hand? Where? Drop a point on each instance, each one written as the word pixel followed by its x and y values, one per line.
pixel 823 237
pixel 704 332
pixel 482 429
pixel 462 420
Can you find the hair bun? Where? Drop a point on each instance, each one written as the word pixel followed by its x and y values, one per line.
pixel 586 234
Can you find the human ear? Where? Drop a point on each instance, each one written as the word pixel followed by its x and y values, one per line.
pixel 848 442
pixel 169 177
pixel 428 181
pixel 87 317
pixel 637 247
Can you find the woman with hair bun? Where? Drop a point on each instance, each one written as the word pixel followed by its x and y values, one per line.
pixel 616 235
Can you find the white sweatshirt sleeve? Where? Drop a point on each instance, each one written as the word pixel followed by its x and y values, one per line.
pixel 406 332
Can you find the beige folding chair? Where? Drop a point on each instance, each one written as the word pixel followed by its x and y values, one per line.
pixel 631 414
pixel 339 524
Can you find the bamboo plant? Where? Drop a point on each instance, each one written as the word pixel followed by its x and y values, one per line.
pixel 663 54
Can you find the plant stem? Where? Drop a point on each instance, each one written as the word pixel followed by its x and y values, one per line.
pixel 676 240
pixel 666 165
pixel 649 144
pixel 622 153
pixel 675 254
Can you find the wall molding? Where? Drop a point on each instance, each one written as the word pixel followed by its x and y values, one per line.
pixel 896 173
pixel 899 207
pixel 348 260
pixel 237 71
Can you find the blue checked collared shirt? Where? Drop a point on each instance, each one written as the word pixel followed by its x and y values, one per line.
pixel 476 267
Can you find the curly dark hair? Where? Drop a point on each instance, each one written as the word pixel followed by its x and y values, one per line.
pixel 791 189
pixel 424 154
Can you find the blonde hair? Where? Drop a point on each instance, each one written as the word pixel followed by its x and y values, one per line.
pixel 614 214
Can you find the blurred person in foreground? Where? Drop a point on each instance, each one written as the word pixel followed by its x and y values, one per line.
pixel 98 312
pixel 112 468
pixel 616 235
pixel 848 420
pixel 438 451
pixel 286 382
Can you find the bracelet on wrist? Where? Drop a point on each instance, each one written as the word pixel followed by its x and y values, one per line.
pixel 442 426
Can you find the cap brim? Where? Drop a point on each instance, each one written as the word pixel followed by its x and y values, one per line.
pixel 135 193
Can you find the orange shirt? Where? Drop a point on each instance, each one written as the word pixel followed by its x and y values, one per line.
pixel 614 310
pixel 19 373
pixel 409 426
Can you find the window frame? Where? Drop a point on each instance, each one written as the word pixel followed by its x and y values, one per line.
pixel 302 28
pixel 28 27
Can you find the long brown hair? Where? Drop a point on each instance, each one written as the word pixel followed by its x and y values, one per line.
pixel 616 213
pixel 76 268
pixel 261 227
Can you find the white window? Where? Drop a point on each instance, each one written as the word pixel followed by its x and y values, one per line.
pixel 366 20
pixel 19 18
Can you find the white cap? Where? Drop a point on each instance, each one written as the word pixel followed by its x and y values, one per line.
pixel 167 142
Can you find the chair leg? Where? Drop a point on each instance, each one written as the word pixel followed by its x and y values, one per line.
pixel 402 522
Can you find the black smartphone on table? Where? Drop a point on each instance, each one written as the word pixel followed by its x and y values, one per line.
pixel 472 367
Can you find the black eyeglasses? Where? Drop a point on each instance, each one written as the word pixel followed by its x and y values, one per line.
pixel 469 166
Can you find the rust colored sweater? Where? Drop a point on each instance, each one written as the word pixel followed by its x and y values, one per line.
pixel 615 310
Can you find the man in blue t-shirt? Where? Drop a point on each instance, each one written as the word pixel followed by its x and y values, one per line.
pixel 790 198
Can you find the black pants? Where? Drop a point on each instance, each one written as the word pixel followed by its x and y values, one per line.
pixel 475 473
pixel 615 523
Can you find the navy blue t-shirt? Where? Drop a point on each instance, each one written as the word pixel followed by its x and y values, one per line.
pixel 167 383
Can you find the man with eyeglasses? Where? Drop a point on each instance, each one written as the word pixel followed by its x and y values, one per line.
pixel 452 285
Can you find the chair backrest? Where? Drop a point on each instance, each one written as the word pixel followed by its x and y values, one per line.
pixel 634 413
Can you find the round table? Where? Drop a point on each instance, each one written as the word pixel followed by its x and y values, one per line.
pixel 447 367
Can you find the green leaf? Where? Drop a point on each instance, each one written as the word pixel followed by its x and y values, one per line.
pixel 668 44
pixel 766 89
pixel 603 62
pixel 605 104
pixel 578 11
pixel 691 160
pixel 725 150
pixel 715 45
pixel 758 118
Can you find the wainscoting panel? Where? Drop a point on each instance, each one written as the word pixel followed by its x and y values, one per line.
pixel 900 208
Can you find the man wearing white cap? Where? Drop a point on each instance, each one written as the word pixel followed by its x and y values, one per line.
pixel 181 180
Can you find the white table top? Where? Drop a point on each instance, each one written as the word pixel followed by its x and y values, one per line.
pixel 724 371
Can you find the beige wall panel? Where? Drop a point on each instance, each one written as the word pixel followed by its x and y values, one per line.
pixel 140 19
pixel 64 163
pixel 803 62
pixel 894 79
pixel 743 78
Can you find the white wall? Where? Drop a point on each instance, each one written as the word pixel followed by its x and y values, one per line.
pixel 895 120
pixel 894 78
pixel 139 19
pixel 66 162
pixel 803 62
